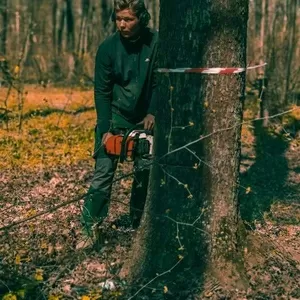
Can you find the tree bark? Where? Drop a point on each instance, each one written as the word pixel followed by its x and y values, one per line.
pixel 276 62
pixel 54 28
pixel 191 214
pixel 70 27
pixel 82 41
pixel 292 44
pixel 4 23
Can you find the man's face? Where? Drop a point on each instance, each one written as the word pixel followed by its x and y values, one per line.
pixel 127 23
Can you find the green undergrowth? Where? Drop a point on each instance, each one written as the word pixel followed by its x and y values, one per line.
pixel 58 128
pixel 57 139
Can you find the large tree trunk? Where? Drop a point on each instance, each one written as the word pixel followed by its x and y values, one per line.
pixel 226 45
pixel 190 222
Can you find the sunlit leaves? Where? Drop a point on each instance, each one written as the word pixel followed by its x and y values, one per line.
pixel 38 276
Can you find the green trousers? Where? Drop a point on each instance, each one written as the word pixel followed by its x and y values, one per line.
pixel 97 200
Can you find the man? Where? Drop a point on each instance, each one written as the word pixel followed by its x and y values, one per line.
pixel 124 93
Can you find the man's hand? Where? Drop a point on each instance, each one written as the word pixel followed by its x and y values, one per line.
pixel 149 122
pixel 106 136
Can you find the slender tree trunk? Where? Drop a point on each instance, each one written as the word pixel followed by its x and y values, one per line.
pixel 54 26
pixel 70 26
pixel 82 44
pixel 105 9
pixel 17 26
pixel 61 27
pixel 4 23
pixel 155 13
pixel 276 62
pixel 191 215
pixel 292 44
pixel 262 29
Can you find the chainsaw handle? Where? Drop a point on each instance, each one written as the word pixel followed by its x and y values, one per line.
pixel 126 135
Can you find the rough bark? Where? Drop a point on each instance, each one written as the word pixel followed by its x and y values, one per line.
pixel 292 44
pixel 191 215
pixel 225 46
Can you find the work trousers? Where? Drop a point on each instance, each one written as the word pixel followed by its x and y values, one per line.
pixel 96 204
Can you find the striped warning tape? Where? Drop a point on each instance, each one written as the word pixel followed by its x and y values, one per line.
pixel 209 70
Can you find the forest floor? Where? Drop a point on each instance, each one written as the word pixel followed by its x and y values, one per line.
pixel 45 161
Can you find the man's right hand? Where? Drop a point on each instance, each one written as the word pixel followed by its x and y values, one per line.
pixel 105 137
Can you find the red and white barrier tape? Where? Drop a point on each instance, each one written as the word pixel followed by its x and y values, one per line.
pixel 209 70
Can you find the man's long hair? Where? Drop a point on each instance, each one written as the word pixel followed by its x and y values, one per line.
pixel 137 6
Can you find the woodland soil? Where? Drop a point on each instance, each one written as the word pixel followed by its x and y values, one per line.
pixel 38 259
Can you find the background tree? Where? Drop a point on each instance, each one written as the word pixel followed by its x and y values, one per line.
pixel 273 36
pixel 3 40
pixel 191 216
pixel 4 22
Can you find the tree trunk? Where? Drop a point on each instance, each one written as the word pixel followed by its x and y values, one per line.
pixel 54 26
pixel 4 70
pixel 292 44
pixel 70 27
pixel 60 32
pixel 4 24
pixel 190 224
pixel 82 44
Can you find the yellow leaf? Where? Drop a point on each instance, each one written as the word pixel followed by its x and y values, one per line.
pixel 206 104
pixel 248 190
pixel 9 296
pixel 180 257
pixel 39 275
pixel 44 245
pixel 53 297
pixel 114 226
pixel 165 289
pixel 17 69
pixel 208 294
pixel 191 123
pixel 27 259
pixel 31 213
pixel 84 297
pixel 18 259
pixel 31 227
pixel 21 294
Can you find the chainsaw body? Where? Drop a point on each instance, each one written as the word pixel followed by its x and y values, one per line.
pixel 131 145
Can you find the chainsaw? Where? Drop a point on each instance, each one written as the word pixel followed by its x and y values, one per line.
pixel 133 144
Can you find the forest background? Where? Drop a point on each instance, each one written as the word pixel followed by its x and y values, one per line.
pixel 47 52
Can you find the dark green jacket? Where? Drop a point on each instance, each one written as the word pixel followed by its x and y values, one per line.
pixel 124 78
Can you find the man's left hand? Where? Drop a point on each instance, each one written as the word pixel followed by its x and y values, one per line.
pixel 149 122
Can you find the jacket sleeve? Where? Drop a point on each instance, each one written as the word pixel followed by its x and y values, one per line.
pixel 103 86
